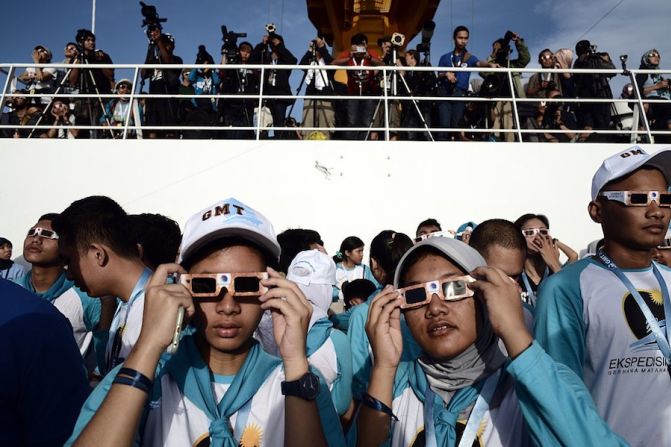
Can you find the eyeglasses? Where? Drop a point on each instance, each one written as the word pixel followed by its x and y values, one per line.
pixel 547 57
pixel 665 245
pixel 42 232
pixel 453 289
pixel 654 55
pixel 639 198
pixel 204 285
pixel 426 236
pixel 531 232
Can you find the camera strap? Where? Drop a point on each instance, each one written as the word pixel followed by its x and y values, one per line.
pixel 661 339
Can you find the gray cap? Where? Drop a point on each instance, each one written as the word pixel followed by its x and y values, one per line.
pixel 462 255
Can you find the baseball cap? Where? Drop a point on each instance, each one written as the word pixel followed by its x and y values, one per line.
pixel 123 81
pixel 461 254
pixel 312 267
pixel 227 218
pixel 626 162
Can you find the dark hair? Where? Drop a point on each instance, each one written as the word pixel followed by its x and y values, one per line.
pixel 525 217
pixel 96 219
pixel 582 47
pixel 458 29
pixel 383 39
pixel 5 241
pixel 48 216
pixel 220 244
pixel 203 56
pixel 499 232
pixel 83 34
pixel 414 54
pixel 293 241
pixel 387 248
pixel 546 50
pixel 430 222
pixel 358 39
pixel 358 288
pixel 245 43
pixel 348 244
pixel 158 235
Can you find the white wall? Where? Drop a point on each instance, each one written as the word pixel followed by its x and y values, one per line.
pixel 372 186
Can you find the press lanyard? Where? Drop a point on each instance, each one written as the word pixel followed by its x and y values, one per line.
pixel 479 409
pixel 662 341
pixel 531 295
pixel 117 334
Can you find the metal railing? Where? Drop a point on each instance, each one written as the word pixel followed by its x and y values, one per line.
pixel 640 127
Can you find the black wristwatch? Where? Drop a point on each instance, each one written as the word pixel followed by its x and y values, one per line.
pixel 307 387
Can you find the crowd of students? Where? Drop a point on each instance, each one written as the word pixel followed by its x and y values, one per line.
pixel 395 98
pixel 227 334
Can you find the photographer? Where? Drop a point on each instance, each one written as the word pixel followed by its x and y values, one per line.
pixel 119 109
pixel 654 86
pixel 502 111
pixel 205 81
pixel 241 81
pixel 161 111
pixel 37 79
pixel 392 84
pixel 588 85
pixel 418 83
pixel 318 82
pixel 360 83
pixel 62 117
pixel 455 84
pixel 272 51
pixel 94 81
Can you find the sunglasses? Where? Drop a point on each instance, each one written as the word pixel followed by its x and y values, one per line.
pixel 205 285
pixel 531 232
pixel 42 232
pixel 639 198
pixel 453 289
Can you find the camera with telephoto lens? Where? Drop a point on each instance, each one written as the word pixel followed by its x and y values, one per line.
pixel 230 45
pixel 397 39
pixel 427 34
pixel 151 19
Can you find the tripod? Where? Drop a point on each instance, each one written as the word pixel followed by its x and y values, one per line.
pixel 393 83
pixel 314 62
pixel 57 92
pixel 84 87
pixel 637 116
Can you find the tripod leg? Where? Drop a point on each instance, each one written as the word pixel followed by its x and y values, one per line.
pixel 372 120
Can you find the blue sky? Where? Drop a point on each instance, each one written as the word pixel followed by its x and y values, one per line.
pixel 631 28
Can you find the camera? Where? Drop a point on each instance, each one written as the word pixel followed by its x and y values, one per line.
pixel 271 28
pixel 230 45
pixel 397 39
pixel 623 58
pixel 359 50
pixel 427 34
pixel 151 18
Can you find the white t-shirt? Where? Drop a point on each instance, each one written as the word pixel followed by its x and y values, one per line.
pixel 124 331
pixel 70 305
pixel 176 421
pixel 588 320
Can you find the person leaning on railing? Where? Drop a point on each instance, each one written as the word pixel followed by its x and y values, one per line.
pixel 21 115
pixel 655 86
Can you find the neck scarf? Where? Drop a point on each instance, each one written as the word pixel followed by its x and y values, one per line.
pixel 457 381
pixel 194 379
pixel 58 288
pixel 319 332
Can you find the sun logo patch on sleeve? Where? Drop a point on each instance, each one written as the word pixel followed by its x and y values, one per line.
pixel 252 436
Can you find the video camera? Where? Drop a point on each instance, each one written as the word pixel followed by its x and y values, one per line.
pixel 397 39
pixel 151 19
pixel 427 34
pixel 230 45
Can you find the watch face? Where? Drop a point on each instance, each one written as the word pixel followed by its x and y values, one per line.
pixel 310 385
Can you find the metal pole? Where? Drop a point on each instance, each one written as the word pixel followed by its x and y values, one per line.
pixel 93 17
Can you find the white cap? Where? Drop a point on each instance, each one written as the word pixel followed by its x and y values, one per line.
pixel 228 218
pixel 628 161
pixel 462 255
pixel 315 274
pixel 312 267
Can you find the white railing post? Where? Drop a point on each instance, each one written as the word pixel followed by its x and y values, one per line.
pixel 260 103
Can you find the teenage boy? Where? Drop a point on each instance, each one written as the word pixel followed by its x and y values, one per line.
pixel 604 315
pixel 102 258
pixel 456 84
pixel 502 245
pixel 47 279
pixel 220 388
